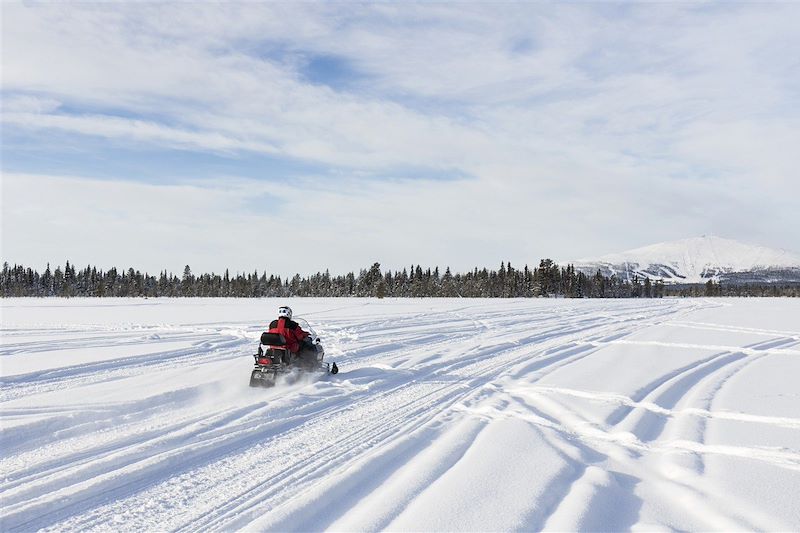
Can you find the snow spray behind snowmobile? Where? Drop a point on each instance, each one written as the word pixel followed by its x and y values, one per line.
pixel 274 358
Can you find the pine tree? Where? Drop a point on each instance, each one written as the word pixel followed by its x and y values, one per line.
pixel 187 283
pixel 636 287
pixel 47 281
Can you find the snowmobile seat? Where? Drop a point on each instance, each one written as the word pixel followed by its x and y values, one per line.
pixel 273 339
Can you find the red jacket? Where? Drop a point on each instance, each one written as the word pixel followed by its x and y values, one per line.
pixel 290 330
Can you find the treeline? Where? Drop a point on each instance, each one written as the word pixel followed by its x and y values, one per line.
pixel 713 288
pixel 548 279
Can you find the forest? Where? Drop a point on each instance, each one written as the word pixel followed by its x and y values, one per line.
pixel 548 279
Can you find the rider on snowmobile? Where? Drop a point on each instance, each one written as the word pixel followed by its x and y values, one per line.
pixel 297 340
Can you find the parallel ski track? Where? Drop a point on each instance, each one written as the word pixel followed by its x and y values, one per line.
pixel 645 418
pixel 416 396
pixel 211 349
pixel 245 509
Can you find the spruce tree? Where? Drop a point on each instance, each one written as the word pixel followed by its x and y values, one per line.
pixel 187 283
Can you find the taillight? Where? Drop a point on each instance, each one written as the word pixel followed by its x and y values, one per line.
pixel 263 361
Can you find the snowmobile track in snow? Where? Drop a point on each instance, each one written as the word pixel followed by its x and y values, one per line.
pixel 156 442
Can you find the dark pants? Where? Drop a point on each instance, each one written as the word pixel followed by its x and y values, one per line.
pixel 307 354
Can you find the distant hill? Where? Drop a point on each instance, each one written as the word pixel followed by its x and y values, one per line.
pixel 697 260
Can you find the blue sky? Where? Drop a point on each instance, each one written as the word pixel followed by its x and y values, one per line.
pixel 451 134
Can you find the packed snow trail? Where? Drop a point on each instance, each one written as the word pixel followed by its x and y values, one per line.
pixel 447 415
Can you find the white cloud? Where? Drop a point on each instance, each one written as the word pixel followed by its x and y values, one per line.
pixel 612 126
pixel 28 104
pixel 136 130
pixel 318 225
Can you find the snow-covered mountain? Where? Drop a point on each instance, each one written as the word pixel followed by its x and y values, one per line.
pixel 697 260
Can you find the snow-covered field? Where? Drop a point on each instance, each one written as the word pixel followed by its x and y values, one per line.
pixel 447 415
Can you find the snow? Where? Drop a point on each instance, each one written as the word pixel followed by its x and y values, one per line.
pixel 457 415
pixel 693 260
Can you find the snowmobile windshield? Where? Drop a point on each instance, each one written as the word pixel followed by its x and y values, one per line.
pixel 303 323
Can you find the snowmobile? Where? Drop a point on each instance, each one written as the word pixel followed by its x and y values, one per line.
pixel 274 359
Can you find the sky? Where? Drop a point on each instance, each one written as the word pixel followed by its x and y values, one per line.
pixel 301 137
